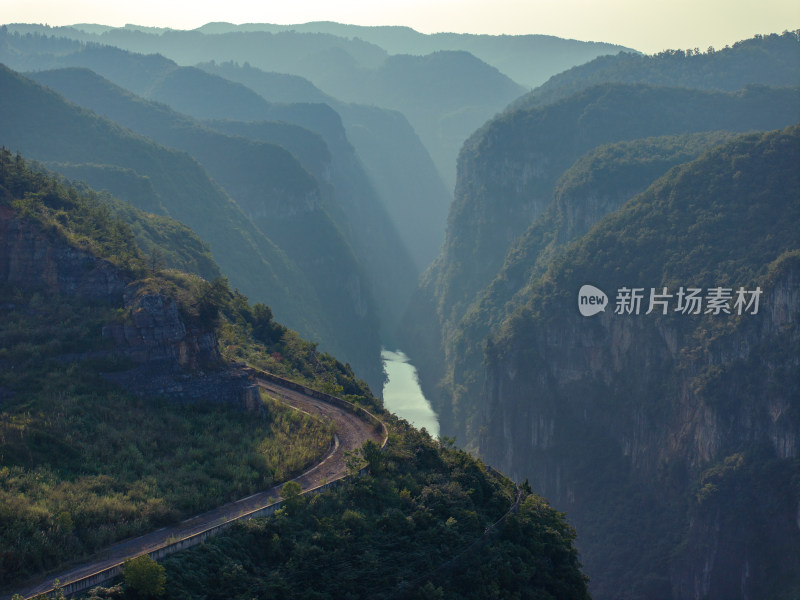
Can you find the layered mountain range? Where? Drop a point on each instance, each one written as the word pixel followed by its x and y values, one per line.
pixel 445 87
pixel 610 305
pixel 82 144
pixel 620 183
pixel 335 207
pixel 125 410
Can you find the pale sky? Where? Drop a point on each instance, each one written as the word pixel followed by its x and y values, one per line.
pixel 646 25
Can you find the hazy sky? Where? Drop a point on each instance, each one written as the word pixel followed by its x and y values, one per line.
pixel 647 25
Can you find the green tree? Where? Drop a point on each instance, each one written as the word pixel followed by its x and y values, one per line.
pixel 155 260
pixel 372 454
pixel 292 494
pixel 144 576
pixel 263 325
pixel 330 386
pixel 211 297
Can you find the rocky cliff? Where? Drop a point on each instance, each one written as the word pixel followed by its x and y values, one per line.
pixel 33 257
pixel 171 358
pixel 510 171
pixel 162 354
pixel 671 439
pixel 598 184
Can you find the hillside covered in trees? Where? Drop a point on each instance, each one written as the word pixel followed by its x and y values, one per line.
pixel 86 461
pixel 557 192
pixel 295 199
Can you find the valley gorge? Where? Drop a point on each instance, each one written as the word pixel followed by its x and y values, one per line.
pixel 591 257
pixel 669 435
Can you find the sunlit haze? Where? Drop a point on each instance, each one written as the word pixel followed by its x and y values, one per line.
pixel 649 26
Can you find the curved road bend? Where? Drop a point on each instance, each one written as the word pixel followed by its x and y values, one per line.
pixel 351 433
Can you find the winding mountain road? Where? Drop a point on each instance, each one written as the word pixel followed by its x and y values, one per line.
pixel 351 433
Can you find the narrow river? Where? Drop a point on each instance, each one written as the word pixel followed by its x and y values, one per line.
pixel 402 395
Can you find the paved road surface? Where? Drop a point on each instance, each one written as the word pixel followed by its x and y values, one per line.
pixel 351 433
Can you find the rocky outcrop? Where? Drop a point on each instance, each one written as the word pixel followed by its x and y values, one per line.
pixel 153 333
pixel 173 359
pixel 231 386
pixel 168 357
pixel 31 257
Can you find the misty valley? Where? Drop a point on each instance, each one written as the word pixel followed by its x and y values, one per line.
pixel 360 312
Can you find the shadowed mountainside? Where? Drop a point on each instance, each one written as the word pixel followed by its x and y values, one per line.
pixel 398 164
pixel 275 193
pixel 674 431
pixel 41 123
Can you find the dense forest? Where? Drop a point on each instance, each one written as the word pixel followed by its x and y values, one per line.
pixel 86 462
pixel 178 208
pixel 557 169
pixel 429 522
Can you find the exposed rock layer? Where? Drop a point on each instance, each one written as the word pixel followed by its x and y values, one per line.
pixel 169 358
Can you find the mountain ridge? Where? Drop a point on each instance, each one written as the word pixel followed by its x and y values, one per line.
pixel 277 195
pixel 244 245
pixel 508 172
pixel 625 384
pixel 496 50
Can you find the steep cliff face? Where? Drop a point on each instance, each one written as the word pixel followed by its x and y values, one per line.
pixel 615 359
pixel 165 356
pixel 33 258
pixel 172 358
pixel 670 439
pixel 509 171
pixel 598 184
pixel 155 333
pixel 657 448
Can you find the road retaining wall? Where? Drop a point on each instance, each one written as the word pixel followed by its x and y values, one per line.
pixel 89 581
pixel 360 412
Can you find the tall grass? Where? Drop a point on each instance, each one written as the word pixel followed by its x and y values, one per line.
pixel 79 471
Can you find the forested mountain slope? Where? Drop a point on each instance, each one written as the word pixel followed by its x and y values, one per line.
pixel 280 197
pixel 353 202
pixel 510 166
pixel 509 170
pixel 535 180
pixel 599 183
pixel 41 123
pixel 165 242
pixel 85 461
pixel 398 164
pixel 356 208
pixel 444 95
pixel 765 59
pixel 664 430
pixel 428 521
